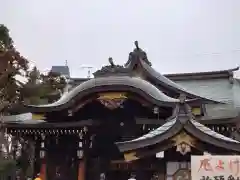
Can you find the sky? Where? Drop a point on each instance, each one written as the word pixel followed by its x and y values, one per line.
pixel 178 35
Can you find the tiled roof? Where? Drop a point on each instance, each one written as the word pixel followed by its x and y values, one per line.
pixel 135 82
pixel 167 83
pixel 218 89
pixel 63 70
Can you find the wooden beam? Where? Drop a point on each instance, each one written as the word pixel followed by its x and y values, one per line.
pixel 92 122
pixel 202 120
pixel 150 121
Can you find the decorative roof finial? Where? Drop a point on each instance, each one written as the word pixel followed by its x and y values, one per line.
pixel 110 59
pixel 111 69
pixel 138 54
pixel 136 44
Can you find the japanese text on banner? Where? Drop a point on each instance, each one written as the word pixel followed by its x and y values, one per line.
pixel 208 167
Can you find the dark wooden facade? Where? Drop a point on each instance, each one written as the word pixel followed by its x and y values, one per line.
pixel 116 123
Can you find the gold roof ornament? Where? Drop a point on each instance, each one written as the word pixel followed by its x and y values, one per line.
pixel 184 142
pixel 112 96
pixel 183 137
pixel 130 156
pixel 183 148
pixel 112 100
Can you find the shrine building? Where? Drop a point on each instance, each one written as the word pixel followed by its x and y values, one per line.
pixel 131 119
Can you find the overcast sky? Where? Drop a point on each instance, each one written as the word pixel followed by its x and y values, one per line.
pixel 178 35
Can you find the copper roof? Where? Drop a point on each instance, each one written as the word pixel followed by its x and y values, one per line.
pixel 105 84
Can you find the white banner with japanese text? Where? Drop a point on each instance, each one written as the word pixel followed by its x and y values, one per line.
pixel 210 167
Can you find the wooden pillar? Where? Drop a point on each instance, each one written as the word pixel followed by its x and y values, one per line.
pixel 43 170
pixel 43 165
pixel 81 170
pixel 81 158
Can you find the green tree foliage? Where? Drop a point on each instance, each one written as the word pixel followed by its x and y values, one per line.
pixel 38 87
pixel 41 89
pixel 11 65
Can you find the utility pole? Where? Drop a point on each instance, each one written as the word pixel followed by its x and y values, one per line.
pixel 88 69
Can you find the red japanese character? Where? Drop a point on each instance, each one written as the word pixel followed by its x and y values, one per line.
pixel 234 166
pixel 205 164
pixel 220 165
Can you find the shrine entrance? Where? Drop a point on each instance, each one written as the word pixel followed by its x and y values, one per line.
pixel 124 170
pixel 146 169
pixel 116 124
pixel 61 158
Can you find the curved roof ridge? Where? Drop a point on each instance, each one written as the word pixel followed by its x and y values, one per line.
pixel 126 81
pixel 170 84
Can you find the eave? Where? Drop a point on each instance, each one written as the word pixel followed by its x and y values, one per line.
pixel 169 84
pixel 202 75
pixel 41 124
pixel 46 125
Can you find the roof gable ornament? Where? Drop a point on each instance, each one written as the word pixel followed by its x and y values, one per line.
pixel 111 69
pixel 184 142
pixel 137 54
pixel 183 110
